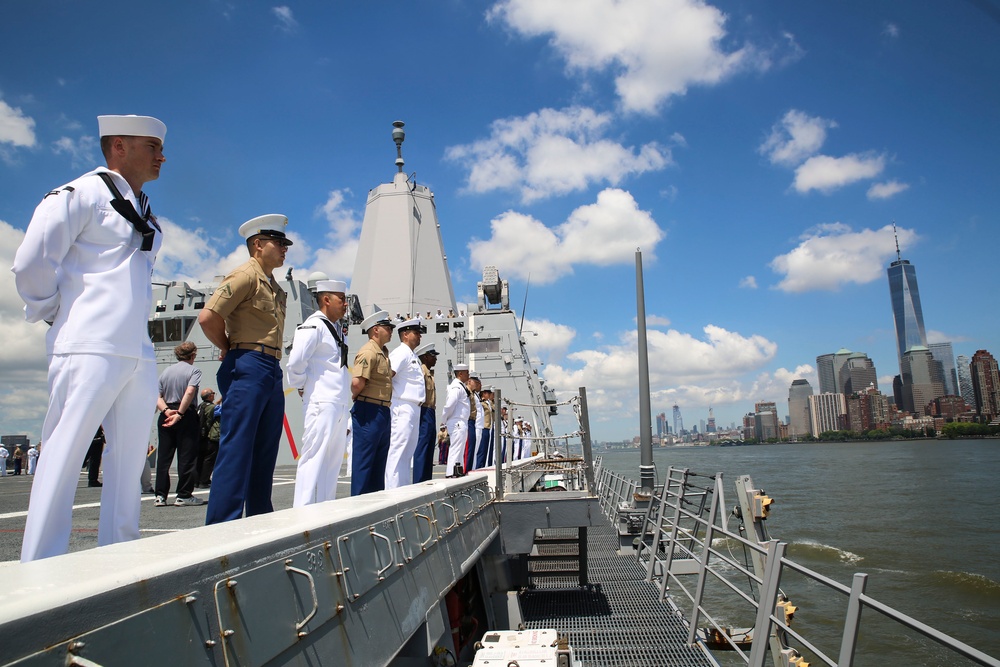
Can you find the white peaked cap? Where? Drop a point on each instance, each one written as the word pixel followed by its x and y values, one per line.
pixel 131 126
pixel 461 367
pixel 378 317
pixel 426 348
pixel 410 324
pixel 330 286
pixel 272 225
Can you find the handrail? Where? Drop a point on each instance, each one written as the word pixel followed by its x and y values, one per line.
pixel 681 523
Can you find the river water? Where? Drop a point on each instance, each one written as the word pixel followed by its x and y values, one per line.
pixel 920 518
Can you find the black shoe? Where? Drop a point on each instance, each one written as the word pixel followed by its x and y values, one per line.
pixel 96 484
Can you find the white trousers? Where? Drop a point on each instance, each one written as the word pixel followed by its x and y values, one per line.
pixel 324 441
pixel 86 390
pixel 458 431
pixel 404 429
pixel 477 445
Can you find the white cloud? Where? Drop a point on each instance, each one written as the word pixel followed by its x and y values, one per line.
pixel 832 255
pixel 604 233
pixel 683 369
pixel 886 190
pixel 657 321
pixel 825 173
pixel 286 21
pixel 934 336
pixel 16 129
pixel 890 30
pixel 796 137
pixel 336 260
pixel 553 152
pixel 549 338
pixel 82 152
pixel 749 282
pixel 657 50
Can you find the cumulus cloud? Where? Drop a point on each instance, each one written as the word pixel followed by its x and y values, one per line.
pixel 82 152
pixel 683 369
pixel 337 259
pixel 749 282
pixel 548 338
pixel 553 152
pixel 796 137
pixel 16 129
pixel 657 321
pixel 657 50
pixel 286 21
pixel 832 255
pixel 604 233
pixel 886 190
pixel 825 173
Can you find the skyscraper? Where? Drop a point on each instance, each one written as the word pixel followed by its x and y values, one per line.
pixel 828 366
pixel 986 385
pixel 965 379
pixel 710 427
pixel 678 422
pixel 944 355
pixel 827 412
pixel 798 407
pixel 922 381
pixel 857 374
pixel 906 311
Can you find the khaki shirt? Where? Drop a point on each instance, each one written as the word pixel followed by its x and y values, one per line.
pixel 430 394
pixel 472 405
pixel 372 363
pixel 488 413
pixel 253 306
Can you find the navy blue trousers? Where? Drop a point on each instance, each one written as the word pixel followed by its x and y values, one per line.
pixel 423 458
pixel 482 452
pixel 253 409
pixel 469 459
pixel 370 423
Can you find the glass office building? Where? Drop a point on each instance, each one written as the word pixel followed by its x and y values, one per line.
pixel 906 311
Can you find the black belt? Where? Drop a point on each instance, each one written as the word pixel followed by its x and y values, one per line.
pixel 260 347
pixel 365 399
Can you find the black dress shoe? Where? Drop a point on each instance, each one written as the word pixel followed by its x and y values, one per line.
pixel 95 484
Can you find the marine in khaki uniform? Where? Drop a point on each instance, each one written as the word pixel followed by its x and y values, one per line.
pixel 371 388
pixel 245 319
pixel 484 452
pixel 423 458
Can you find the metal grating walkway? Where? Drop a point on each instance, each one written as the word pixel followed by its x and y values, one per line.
pixel 618 621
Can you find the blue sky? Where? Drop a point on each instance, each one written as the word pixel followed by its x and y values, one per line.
pixel 756 152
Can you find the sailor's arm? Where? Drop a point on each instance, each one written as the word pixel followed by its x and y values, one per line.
pixel 51 233
pixel 303 344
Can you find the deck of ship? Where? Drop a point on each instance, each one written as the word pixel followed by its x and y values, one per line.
pixel 617 620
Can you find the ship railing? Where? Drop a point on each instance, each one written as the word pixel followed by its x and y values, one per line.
pixel 687 547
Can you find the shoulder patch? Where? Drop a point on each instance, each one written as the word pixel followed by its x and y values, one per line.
pixel 224 290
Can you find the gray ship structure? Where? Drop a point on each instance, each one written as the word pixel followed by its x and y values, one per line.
pixel 551 561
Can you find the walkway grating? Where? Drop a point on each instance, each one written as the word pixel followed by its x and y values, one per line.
pixel 618 621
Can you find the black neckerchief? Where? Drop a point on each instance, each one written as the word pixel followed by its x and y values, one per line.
pixel 127 210
pixel 340 341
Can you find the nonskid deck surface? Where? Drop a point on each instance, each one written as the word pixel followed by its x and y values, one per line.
pixel 618 620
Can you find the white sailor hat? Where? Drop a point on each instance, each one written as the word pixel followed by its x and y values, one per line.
pixel 487 388
pixel 426 348
pixel 378 317
pixel 461 367
pixel 330 286
pixel 131 126
pixel 271 225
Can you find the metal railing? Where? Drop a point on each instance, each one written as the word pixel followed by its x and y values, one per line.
pixel 686 518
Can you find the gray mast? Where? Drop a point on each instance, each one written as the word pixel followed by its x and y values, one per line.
pixel 401 266
pixel 647 471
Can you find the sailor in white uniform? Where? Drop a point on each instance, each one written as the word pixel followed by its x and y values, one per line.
pixel 317 367
pixel 32 459
pixel 408 392
pixel 456 417
pixel 3 461
pixel 84 267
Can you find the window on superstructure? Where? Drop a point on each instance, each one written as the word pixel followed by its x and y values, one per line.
pixel 483 346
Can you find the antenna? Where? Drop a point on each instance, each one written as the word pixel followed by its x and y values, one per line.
pixel 398 135
pixel 896 236
pixel 520 327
